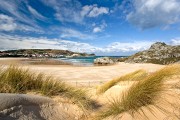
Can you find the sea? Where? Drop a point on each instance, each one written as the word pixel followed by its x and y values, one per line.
pixel 83 61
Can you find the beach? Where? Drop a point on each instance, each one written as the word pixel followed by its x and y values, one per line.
pixel 85 74
pixel 90 78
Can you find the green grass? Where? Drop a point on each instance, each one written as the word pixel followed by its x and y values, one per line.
pixel 134 76
pixel 142 94
pixel 14 79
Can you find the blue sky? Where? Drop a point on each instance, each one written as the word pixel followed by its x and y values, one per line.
pixel 103 27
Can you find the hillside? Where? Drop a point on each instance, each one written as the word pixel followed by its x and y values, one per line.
pixel 158 53
pixel 40 53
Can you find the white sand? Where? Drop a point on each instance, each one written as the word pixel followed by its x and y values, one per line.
pixel 95 73
pixel 85 76
pixel 74 73
pixel 31 107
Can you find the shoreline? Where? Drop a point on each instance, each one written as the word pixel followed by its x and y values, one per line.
pixel 86 73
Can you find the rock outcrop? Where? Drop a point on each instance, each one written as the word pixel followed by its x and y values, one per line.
pixel 158 53
pixel 104 61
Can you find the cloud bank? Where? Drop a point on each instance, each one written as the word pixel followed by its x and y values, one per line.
pixel 19 42
pixel 154 13
pixel 175 41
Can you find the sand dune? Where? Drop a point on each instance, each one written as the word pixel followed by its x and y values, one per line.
pixel 32 107
pixel 19 106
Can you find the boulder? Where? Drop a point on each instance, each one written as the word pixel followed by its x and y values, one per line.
pixel 104 61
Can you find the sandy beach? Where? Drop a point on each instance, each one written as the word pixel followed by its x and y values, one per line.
pixel 84 74
pixel 90 76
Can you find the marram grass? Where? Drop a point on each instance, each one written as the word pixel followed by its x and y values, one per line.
pixel 14 79
pixel 140 95
pixel 134 76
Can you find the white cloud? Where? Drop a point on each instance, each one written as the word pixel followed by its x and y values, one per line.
pixel 153 13
pixel 175 41
pixel 7 23
pixel 86 9
pixel 19 42
pixel 99 28
pixel 98 11
pixel 94 10
pixel 16 10
pixel 71 33
pixel 66 10
pixel 73 11
pixel 35 13
pixel 128 46
pixel 27 28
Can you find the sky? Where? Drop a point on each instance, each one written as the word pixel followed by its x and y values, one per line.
pixel 103 27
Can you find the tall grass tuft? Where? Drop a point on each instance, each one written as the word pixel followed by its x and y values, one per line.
pixel 15 79
pixel 142 94
pixel 134 76
pixel 176 86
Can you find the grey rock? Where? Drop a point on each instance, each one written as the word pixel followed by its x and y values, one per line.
pixel 104 61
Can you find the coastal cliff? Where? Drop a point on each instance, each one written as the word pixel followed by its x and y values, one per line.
pixel 158 53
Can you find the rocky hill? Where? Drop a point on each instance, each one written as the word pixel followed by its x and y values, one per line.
pixel 158 53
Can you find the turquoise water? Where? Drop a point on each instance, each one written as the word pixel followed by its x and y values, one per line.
pixel 87 61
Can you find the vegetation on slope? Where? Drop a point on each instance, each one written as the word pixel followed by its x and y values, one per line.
pixel 14 79
pixel 137 75
pixel 15 53
pixel 158 53
pixel 142 94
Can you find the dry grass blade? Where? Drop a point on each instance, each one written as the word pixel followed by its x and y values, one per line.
pixel 134 76
pixel 176 86
pixel 142 94
pixel 15 79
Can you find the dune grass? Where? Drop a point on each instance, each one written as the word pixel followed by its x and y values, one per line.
pixel 142 94
pixel 177 85
pixel 14 79
pixel 134 76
